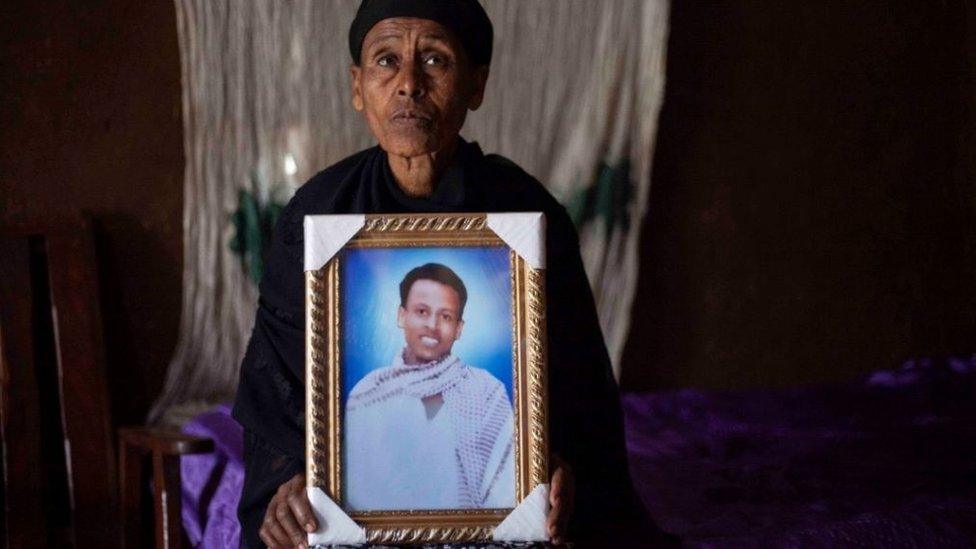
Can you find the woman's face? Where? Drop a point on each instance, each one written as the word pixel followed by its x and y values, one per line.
pixel 415 85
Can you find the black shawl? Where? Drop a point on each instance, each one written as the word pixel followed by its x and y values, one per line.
pixel 585 419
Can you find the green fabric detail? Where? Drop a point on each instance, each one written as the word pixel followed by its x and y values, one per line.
pixel 607 198
pixel 253 223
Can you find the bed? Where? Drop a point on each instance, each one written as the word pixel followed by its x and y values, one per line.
pixel 886 460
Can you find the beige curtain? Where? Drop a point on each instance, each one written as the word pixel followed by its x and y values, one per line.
pixel 573 97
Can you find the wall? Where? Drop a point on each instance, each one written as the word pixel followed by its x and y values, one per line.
pixel 811 204
pixel 90 107
pixel 813 196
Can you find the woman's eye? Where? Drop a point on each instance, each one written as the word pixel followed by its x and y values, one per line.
pixel 434 60
pixel 386 61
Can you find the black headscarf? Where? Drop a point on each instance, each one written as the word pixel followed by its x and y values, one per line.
pixel 586 426
pixel 466 18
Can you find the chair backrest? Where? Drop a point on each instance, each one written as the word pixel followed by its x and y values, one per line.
pixel 60 476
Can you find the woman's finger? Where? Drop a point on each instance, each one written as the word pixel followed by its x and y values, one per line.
pixel 554 518
pixel 302 509
pixel 556 486
pixel 553 525
pixel 287 521
pixel 267 538
pixel 281 539
pixel 562 499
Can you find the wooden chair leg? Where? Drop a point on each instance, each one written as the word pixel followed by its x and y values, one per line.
pixel 168 501
pixel 166 448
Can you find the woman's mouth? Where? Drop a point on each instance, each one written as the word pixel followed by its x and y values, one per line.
pixel 412 117
pixel 428 341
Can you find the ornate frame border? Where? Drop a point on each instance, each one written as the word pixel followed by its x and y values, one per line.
pixel 322 374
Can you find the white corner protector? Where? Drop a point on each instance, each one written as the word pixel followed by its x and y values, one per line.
pixel 325 235
pixel 335 526
pixel 523 232
pixel 527 522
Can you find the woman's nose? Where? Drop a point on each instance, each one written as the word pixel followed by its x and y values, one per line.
pixel 412 82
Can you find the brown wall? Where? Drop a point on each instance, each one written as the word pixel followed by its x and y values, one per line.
pixel 813 199
pixel 90 107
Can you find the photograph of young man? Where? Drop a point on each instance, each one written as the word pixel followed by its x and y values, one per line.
pixel 429 431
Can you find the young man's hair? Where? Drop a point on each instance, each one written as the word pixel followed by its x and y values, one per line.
pixel 437 273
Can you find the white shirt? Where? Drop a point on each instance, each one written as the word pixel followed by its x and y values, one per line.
pixel 394 458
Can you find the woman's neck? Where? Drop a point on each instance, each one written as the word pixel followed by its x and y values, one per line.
pixel 417 176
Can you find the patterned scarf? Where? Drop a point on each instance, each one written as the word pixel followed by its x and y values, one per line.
pixel 477 404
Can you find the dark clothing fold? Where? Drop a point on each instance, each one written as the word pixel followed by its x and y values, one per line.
pixel 586 427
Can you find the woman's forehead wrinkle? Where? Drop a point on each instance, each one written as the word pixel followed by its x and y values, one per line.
pixel 390 27
pixel 384 37
pixel 419 29
pixel 435 38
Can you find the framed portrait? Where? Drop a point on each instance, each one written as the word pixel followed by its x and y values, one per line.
pixel 426 397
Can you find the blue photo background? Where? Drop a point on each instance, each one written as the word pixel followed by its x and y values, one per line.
pixel 370 285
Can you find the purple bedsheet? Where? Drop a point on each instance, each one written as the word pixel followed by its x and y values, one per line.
pixel 212 482
pixel 889 460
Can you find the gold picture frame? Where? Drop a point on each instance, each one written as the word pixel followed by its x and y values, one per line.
pixel 324 416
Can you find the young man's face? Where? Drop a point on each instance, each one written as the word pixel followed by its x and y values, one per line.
pixel 430 320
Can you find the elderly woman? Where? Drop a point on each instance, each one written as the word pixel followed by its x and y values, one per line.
pixel 418 67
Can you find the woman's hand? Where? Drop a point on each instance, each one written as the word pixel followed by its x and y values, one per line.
pixel 562 491
pixel 289 518
pixel 290 508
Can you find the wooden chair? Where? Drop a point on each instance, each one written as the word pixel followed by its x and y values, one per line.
pixel 60 482
pixel 60 478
